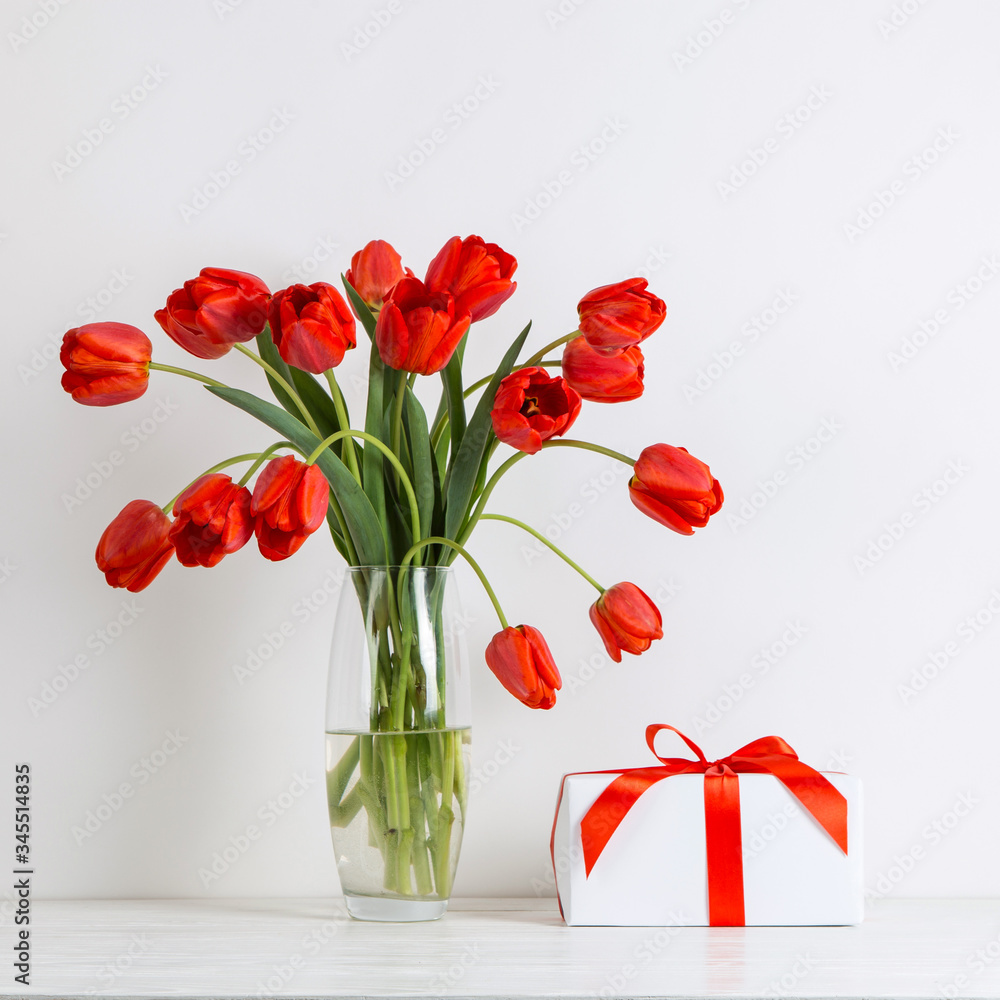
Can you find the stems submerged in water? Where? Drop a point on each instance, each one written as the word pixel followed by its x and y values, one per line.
pixel 400 788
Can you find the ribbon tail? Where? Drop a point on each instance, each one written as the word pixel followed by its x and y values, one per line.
pixel 724 842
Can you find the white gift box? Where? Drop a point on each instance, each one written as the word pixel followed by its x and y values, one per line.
pixel 654 869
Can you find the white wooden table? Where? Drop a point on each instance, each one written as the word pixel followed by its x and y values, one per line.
pixel 494 948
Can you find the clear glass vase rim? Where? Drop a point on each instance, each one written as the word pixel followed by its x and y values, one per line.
pixel 386 569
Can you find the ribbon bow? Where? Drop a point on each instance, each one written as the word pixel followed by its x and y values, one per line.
pixel 768 755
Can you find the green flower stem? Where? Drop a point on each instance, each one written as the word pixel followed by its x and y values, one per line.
pixel 555 548
pixel 397 415
pixel 154 365
pixel 263 457
pixel 551 363
pixel 535 358
pixel 215 468
pixel 303 409
pixel 344 531
pixel 345 421
pixel 473 518
pixel 463 536
pixel 394 461
pixel 449 543
pixel 590 446
pixel 446 816
pixel 476 385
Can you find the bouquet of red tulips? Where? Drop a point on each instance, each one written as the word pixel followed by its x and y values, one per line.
pixel 398 490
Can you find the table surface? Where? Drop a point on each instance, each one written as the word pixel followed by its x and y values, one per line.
pixel 495 948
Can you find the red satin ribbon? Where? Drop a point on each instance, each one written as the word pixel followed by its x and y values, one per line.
pixel 768 755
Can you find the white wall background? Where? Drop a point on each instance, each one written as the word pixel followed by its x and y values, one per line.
pixel 888 81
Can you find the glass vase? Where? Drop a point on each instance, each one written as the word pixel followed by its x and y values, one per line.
pixel 397 740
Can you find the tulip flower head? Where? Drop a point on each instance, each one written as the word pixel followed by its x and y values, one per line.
pixel 532 406
pixel 289 503
pixel 135 546
pixel 615 317
pixel 311 326
pixel 374 271
pixel 522 662
pixel 106 363
pixel 674 488
pixel 626 619
pixel 418 330
pixel 212 312
pixel 599 378
pixel 477 273
pixel 211 519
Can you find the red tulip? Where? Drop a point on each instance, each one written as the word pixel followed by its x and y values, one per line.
pixel 626 619
pixel 289 504
pixel 418 330
pixel 212 312
pixel 211 519
pixel 600 378
pixel 531 406
pixel 106 363
pixel 674 488
pixel 476 273
pixel 374 270
pixel 135 546
pixel 618 316
pixel 523 664
pixel 311 326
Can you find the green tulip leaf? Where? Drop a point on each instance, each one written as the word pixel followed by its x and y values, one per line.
pixel 362 521
pixel 421 460
pixel 365 314
pixel 464 468
pixel 454 398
